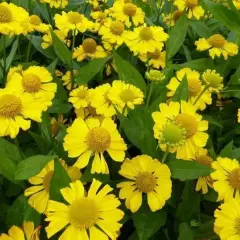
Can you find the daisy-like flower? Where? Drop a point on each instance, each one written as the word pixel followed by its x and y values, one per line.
pixel 226 178
pixel 155 75
pixel 16 110
pixel 12 19
pixel 195 87
pixel 27 232
pixel 146 39
pixel 203 182
pixel 217 45
pixel 36 81
pixel 227 220
pixel 93 215
pixel 146 176
pixel 180 129
pixel 36 24
pixel 156 59
pixel 100 17
pixel 40 191
pixel 127 13
pixel 94 137
pixel 67 79
pixel 72 21
pixel 101 101
pixel 171 19
pixel 124 96
pixel 89 49
pixel 56 124
pixel 213 80
pixel 56 3
pixel 191 6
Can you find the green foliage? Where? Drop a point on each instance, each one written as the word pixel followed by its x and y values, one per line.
pixel 182 91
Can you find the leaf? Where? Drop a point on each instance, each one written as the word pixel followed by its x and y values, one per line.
pixel 8 41
pixel 59 107
pixel 227 17
pixel 205 231
pixel 42 8
pixel 212 120
pixel 10 150
pixel 233 91
pixel 160 99
pixel 177 36
pixel 182 91
pixel 11 54
pixel 89 71
pixel 31 166
pixel 187 170
pixel 185 232
pixel 60 179
pixel 41 142
pixel 52 66
pixel 147 223
pixel 200 28
pixel 227 151
pixel 128 73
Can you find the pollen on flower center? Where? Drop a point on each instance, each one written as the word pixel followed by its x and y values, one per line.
pixel 176 15
pixel 130 9
pixel 82 94
pixel 191 3
pixel 154 55
pixel 194 86
pixel 117 28
pixel 83 213
pixel 146 34
pixel 47 180
pixel 35 20
pixel 127 95
pixel 146 182
pixel 237 225
pixel 172 134
pixel 31 83
pixel 89 45
pixel 204 160
pixel 74 17
pixel 98 139
pixel 188 122
pixel 10 105
pixel 234 178
pixel 217 40
pixel 5 14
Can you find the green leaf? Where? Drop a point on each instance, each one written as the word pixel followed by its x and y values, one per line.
pixel 12 54
pixel 147 222
pixel 182 91
pixel 52 66
pixel 41 142
pixel 31 166
pixel 205 231
pixel 10 150
pixel 8 41
pixel 59 107
pixel 187 170
pixel 127 72
pixel 177 36
pixel 227 151
pixel 160 99
pixel 212 120
pixel 227 17
pixel 200 28
pixel 89 71
pixel 185 232
pixel 43 9
pixel 60 179
pixel 233 91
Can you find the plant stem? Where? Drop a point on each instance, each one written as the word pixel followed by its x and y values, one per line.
pixel 165 155
pixel 149 94
pixel 202 92
pixel 29 47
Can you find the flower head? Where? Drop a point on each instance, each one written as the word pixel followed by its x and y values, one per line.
pixel 67 79
pixel 36 24
pixel 155 75
pixel 171 19
pixel 213 79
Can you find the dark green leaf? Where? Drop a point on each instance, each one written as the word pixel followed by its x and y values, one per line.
pixel 160 99
pixel 41 142
pixel 43 9
pixel 51 67
pixel 60 107
pixel 211 195
pixel 200 28
pixel 182 91
pixel 205 231
pixel 233 91
pixel 185 232
pixel 227 151
pixel 11 55
pixel 10 150
pixel 212 120
pixel 8 41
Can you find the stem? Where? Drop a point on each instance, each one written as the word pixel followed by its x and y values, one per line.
pixel 202 92
pixel 149 94
pixel 29 47
pixel 165 155
pixel 72 73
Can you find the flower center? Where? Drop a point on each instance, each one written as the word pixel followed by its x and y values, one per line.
pixel 176 15
pixel 83 213
pixel 172 134
pixel 74 17
pixel 217 40
pixel 89 45
pixel 204 160
pixel 237 225
pixel 194 86
pixel 47 180
pixel 130 9
pixel 82 94
pixel 35 20
pixel 154 55
pixel 191 3
pixel 117 28
pixel 127 95
pixel 234 178
pixel 214 80
pixel 10 105
pixel 98 139
pixel 146 34
pixel 146 182
pixel 31 83
pixel 5 14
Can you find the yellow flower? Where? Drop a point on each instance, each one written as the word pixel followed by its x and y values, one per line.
pixel 127 13
pixel 12 70
pixel 56 124
pixel 213 80
pixel 155 75
pixel 205 181
pixel 171 19
pixel 40 191
pixel 227 220
pixel 100 16
pixel 96 3
pixel 94 137
pixel 36 81
pixel 13 19
pixel 66 78
pixel 36 24
pixel 16 110
pixel 72 21
pixel 191 6
pixel 89 49
pixel 101 101
pixel 180 129
pixel 217 46
pixel 93 215
pixel 56 3
pixel 88 112
pixel 155 59
pixel 16 233
pixel 195 87
pixel 124 96
pixel 236 4
pixel 147 176
pixel 238 115
pixel 146 39
pixel 226 178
